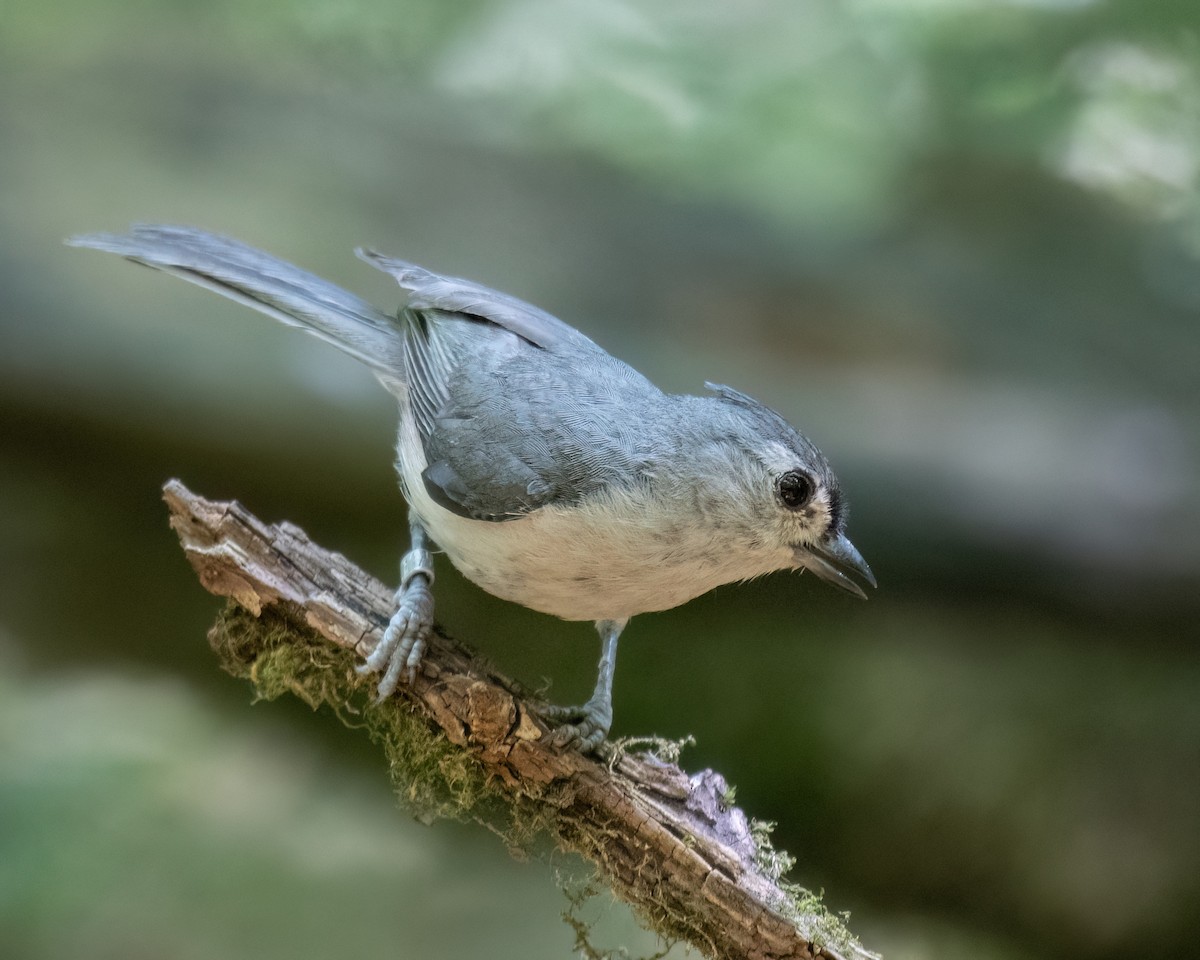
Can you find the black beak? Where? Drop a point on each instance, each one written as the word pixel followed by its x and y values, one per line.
pixel 832 562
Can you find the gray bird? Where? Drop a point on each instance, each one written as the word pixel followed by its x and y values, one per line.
pixel 550 473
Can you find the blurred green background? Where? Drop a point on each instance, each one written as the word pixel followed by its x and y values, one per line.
pixel 957 242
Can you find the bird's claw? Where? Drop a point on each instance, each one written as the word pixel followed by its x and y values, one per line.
pixel 399 651
pixel 583 727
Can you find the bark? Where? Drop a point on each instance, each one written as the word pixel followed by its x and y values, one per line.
pixel 462 739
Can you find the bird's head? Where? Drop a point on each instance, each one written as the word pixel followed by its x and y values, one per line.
pixel 790 496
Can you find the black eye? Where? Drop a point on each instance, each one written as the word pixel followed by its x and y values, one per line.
pixel 795 489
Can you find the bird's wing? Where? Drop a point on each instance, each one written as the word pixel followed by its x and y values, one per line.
pixel 515 409
pixel 431 291
pixel 509 426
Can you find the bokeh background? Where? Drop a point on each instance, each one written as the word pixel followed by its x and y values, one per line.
pixel 957 242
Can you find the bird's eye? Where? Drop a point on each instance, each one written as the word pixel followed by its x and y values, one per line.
pixel 795 489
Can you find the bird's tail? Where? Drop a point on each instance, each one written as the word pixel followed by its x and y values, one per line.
pixel 272 286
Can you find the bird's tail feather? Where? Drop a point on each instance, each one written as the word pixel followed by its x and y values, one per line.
pixel 272 286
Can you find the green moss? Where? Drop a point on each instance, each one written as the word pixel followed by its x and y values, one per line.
pixel 279 654
pixel 803 907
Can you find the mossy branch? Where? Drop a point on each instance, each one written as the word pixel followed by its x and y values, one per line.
pixel 461 741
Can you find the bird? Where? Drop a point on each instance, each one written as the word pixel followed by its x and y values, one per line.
pixel 550 473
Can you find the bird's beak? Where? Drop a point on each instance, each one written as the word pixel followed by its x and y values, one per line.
pixel 833 560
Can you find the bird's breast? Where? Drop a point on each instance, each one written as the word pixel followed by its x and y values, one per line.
pixel 609 558
pixel 589 563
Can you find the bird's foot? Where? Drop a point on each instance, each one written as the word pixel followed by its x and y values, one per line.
pixel 399 652
pixel 583 728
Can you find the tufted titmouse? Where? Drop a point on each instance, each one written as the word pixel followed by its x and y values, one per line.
pixel 550 473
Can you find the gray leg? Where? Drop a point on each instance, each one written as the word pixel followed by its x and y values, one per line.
pixel 399 653
pixel 586 726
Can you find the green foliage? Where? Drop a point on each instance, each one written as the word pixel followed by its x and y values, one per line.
pixel 813 111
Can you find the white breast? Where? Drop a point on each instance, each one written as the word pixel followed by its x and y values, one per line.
pixel 607 560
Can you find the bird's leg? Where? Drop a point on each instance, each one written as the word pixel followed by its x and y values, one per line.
pixel 586 726
pixel 399 652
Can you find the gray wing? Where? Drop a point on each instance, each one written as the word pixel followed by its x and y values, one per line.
pixel 431 291
pixel 509 427
pixel 515 409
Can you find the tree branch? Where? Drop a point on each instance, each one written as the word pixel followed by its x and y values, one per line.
pixel 462 740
